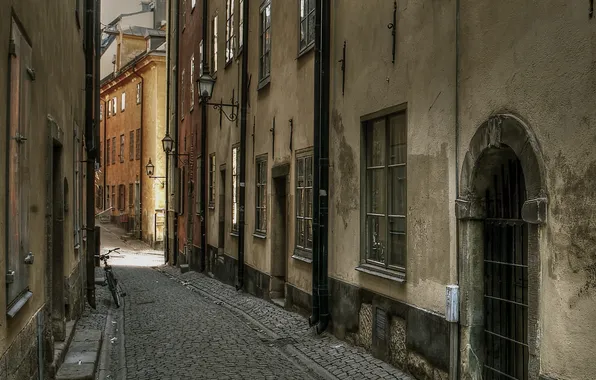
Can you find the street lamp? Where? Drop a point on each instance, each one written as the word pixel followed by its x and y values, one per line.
pixel 149 168
pixel 206 84
pixel 168 143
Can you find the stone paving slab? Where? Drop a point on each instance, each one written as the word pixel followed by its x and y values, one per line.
pixel 337 359
pixel 82 356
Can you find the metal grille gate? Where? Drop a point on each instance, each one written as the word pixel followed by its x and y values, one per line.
pixel 506 276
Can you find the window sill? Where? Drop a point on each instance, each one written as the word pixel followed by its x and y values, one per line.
pixel 383 273
pixel 234 234
pixel 228 63
pixel 19 304
pixel 306 50
pixel 211 207
pixel 297 256
pixel 264 82
pixel 259 235
pixel 192 108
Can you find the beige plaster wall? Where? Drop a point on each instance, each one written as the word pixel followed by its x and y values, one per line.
pixel 422 78
pixel 56 91
pixel 537 61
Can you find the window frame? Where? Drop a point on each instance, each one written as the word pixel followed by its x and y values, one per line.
pixel 240 26
pixel 108 151
pixel 382 269
pixel 123 102
pixel 261 179
pixel 139 92
pixel 235 172
pixel 122 141
pixel 138 144
pixel 264 55
pixel 214 48
pixel 303 253
pixel 113 150
pixel 114 105
pixel 212 181
pixel 309 44
pixel 131 145
pixel 230 35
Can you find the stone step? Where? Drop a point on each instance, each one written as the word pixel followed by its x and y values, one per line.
pixel 82 356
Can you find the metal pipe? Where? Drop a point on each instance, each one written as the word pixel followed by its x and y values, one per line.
pixel 314 318
pixel 168 83
pixel 323 168
pixel 204 155
pixel 243 112
pixel 176 124
pixel 90 27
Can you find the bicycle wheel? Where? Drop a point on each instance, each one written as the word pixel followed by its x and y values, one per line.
pixel 113 285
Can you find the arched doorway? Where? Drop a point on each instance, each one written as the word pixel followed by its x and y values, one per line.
pixel 502 204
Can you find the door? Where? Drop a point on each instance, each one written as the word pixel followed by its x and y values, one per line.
pixel 505 275
pixel 279 233
pixel 137 208
pixel 221 240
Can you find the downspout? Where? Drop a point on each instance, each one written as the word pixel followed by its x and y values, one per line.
pixel 105 168
pixel 314 318
pixel 134 71
pixel 243 120
pixel 204 155
pixel 323 167
pixel 90 25
pixel 454 326
pixel 168 83
pixel 176 124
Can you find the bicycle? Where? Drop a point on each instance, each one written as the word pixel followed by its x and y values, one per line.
pixel 111 280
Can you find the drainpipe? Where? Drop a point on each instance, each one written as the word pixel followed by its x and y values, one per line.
pixel 314 318
pixel 104 159
pixel 168 82
pixel 204 155
pixel 323 169
pixel 90 25
pixel 134 71
pixel 176 124
pixel 243 111
pixel 454 325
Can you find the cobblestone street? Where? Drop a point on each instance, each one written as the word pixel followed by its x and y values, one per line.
pixel 190 326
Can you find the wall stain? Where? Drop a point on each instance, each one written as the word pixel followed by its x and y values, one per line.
pixel 347 200
pixel 574 205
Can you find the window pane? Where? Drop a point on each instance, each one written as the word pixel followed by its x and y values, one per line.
pixel 311 5
pixel 311 27
pixel 397 254
pixel 309 234
pixel 397 190
pixel 300 181
pixel 308 169
pixel 303 8
pixel 308 203
pixel 376 191
pixel 303 33
pixel 376 238
pixel 375 144
pixel 300 239
pixel 300 205
pixel 397 139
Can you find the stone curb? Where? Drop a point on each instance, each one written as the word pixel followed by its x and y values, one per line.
pixel 82 356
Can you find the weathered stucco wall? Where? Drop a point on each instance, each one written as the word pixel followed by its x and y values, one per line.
pixel 536 61
pixel 422 78
pixel 56 92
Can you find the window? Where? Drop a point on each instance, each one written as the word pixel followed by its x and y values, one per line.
pixel 200 59
pixel 108 197
pixel 123 105
pixel 183 14
pixel 131 146
pixel 265 41
pixel 113 150
pixel 121 148
pixel 108 152
pixel 229 30
pixel 241 25
pixel 138 144
pixel 261 196
pixel 109 108
pixel 214 46
pixel 182 95
pixel 100 112
pixel 385 225
pixel 307 24
pixel 194 3
pixel 99 197
pixel 191 82
pixel 113 195
pixel 99 157
pixel 131 195
pixel 114 105
pixel 121 197
pixel 212 180
pixel 139 89
pixel 181 193
pixel 304 199
pixel 198 207
pixel 20 91
pixel 235 187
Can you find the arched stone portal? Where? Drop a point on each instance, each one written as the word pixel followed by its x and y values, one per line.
pixel 503 202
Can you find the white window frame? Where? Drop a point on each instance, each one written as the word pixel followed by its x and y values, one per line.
pixel 123 105
pixel 115 105
pixel 230 28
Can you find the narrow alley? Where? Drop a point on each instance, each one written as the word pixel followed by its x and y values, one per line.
pixel 189 326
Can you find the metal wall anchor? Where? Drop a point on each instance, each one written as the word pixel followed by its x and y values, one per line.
pixel 29 258
pixel 10 277
pixel 19 138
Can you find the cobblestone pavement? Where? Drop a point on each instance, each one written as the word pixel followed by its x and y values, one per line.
pixel 331 357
